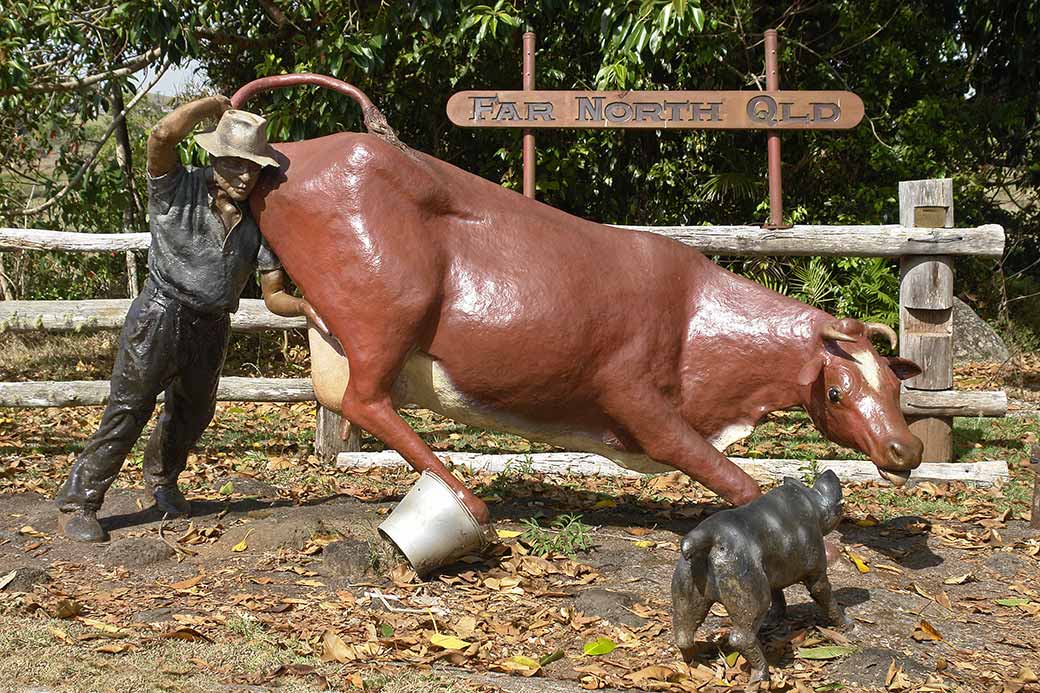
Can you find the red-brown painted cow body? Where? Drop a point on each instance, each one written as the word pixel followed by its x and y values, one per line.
pixel 540 322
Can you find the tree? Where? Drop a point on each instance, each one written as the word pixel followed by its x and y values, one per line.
pixel 949 90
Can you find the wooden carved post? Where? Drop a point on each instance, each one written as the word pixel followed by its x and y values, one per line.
pixel 926 309
pixel 327 441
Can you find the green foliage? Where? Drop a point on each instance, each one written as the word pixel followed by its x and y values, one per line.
pixel 949 91
pixel 567 535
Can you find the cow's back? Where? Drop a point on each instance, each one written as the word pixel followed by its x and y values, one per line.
pixel 513 274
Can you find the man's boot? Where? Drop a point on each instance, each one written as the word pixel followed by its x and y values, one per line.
pixel 83 525
pixel 171 502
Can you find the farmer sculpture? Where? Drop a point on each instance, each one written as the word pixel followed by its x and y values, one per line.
pixel 205 246
pixel 446 290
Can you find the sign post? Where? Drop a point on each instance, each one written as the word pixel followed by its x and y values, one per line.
pixel 771 110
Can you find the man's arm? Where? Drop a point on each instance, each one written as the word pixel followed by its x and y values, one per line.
pixel 280 302
pixel 168 132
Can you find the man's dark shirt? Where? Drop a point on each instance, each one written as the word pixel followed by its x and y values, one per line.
pixel 192 257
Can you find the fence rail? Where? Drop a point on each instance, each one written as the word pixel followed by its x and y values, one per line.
pixel 889 240
pixel 915 241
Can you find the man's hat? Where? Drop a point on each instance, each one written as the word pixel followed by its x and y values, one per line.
pixel 241 134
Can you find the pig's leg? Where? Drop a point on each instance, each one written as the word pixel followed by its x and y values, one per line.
pixel 667 438
pixel 777 610
pixel 820 590
pixel 744 590
pixel 690 604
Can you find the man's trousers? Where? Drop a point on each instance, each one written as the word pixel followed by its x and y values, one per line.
pixel 164 346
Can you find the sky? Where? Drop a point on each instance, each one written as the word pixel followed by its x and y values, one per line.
pixel 175 79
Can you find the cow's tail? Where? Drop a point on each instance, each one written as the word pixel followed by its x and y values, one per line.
pixel 696 543
pixel 375 121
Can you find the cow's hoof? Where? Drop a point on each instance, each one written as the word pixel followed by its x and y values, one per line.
pixel 83 525
pixel 171 502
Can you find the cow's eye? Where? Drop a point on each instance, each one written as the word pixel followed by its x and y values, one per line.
pixel 834 395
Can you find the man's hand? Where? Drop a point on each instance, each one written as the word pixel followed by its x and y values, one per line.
pixel 313 316
pixel 168 132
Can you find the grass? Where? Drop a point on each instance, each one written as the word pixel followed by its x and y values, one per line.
pixel 566 535
pixel 32 656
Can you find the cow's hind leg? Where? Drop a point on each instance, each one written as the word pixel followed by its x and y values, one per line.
pixel 666 437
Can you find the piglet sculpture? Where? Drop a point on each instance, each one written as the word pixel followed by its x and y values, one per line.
pixel 745 557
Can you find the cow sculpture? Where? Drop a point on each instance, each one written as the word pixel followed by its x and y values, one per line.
pixel 453 293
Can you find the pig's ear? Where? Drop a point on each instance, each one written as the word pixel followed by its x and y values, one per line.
pixel 810 370
pixel 903 368
pixel 828 486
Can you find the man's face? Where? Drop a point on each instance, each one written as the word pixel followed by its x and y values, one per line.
pixel 235 176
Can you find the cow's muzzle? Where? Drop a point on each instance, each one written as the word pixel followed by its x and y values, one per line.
pixel 902 458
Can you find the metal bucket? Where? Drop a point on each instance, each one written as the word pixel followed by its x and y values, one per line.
pixel 432 527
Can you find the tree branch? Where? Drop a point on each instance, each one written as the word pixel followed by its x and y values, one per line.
pixel 128 68
pixel 97 150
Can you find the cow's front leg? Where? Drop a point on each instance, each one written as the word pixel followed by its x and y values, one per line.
pixel 378 416
pixel 666 437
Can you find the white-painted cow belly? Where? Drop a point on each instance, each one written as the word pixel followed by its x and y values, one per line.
pixel 424 383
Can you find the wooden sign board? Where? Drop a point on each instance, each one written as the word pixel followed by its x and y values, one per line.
pixel 659 110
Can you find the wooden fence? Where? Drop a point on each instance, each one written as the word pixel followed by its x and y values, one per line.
pixel 925 241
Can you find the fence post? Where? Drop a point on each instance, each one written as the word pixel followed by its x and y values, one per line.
pixel 327 441
pixel 926 309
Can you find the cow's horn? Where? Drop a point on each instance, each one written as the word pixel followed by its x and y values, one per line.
pixel 834 332
pixel 876 328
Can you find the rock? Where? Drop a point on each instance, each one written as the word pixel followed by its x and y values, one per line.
pixel 350 558
pixel 1008 565
pixel 973 339
pixel 136 552
pixel 869 666
pixel 154 615
pixel 276 533
pixel 25 578
pixel 612 606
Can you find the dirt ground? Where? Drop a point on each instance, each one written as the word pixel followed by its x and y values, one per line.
pixel 259 590
pixel 279 580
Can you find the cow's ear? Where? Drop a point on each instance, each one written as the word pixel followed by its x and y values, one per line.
pixel 903 368
pixel 810 370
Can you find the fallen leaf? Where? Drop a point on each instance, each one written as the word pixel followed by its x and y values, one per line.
pixel 1025 675
pixel 1013 601
pixel 651 673
pixel 67 608
pixel 959 579
pixel 8 579
pixel 227 489
pixel 242 546
pixel 644 544
pixel 334 649
pixel 860 564
pixel 925 631
pixel 508 533
pixel 60 634
pixel 600 646
pixel 113 647
pixel 189 634
pixel 824 652
pixel 518 664
pixel 190 582
pixel 448 642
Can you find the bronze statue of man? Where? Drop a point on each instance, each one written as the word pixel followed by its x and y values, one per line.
pixel 205 246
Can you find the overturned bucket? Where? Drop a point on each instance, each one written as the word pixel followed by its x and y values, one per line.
pixel 432 527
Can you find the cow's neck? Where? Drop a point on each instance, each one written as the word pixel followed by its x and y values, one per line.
pixel 764 339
